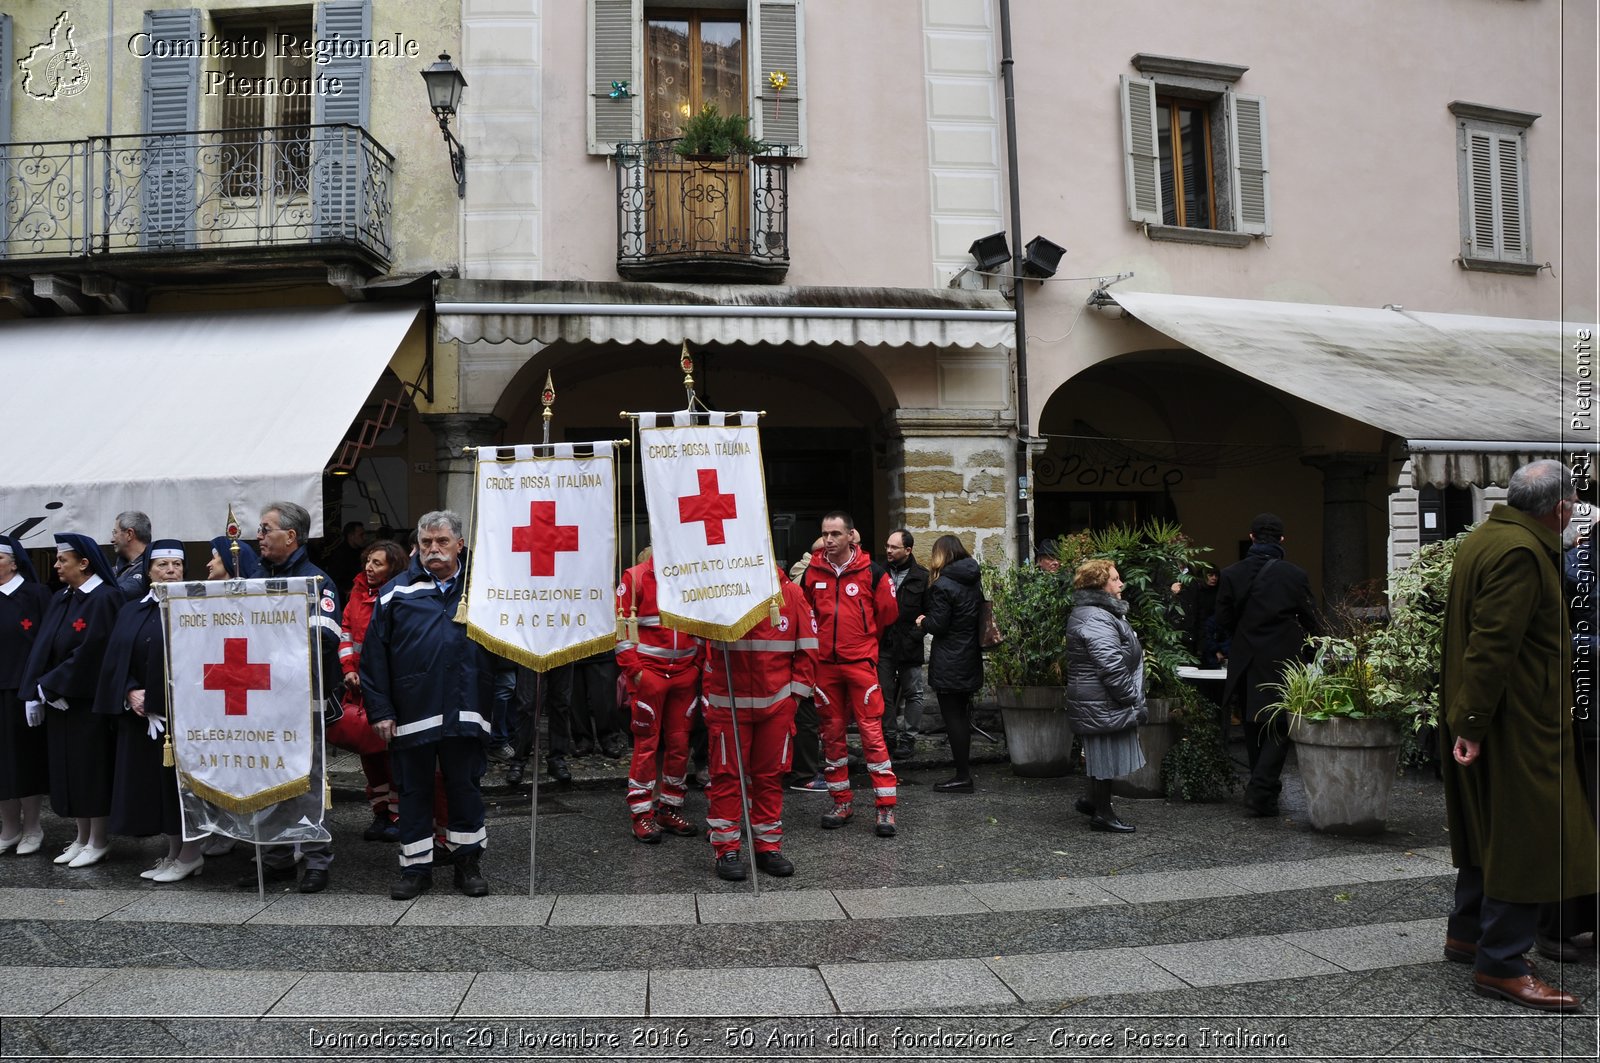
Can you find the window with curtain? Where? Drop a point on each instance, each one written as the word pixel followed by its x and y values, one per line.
pixel 270 152
pixel 691 58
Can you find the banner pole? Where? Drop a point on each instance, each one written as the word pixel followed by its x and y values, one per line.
pixel 738 761
pixel 540 692
pixel 261 867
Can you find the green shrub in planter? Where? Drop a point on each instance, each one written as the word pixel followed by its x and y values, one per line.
pixel 718 135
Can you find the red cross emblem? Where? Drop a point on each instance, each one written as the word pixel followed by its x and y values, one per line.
pixel 710 506
pixel 79 624
pixel 27 625
pixel 236 677
pixel 542 538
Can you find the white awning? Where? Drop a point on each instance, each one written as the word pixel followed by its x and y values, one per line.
pixel 181 415
pixel 607 312
pixel 1460 386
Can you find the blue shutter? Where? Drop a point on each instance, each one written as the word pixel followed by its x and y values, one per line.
pixel 338 167
pixel 171 106
pixel 5 125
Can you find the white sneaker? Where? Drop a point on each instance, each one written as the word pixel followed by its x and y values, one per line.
pixel 177 870
pixel 7 844
pixel 161 865
pixel 70 853
pixel 88 856
pixel 30 843
pixel 217 845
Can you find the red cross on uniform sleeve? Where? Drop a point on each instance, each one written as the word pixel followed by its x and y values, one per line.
pixel 542 538
pixel 236 677
pixel 79 624
pixel 27 625
pixel 709 506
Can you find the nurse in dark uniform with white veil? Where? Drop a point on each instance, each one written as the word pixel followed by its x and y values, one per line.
pixel 144 792
pixel 58 690
pixel 24 777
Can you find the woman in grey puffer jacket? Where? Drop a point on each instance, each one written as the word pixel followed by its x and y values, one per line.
pixel 1105 687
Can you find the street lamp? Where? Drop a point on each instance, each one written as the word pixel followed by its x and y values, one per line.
pixel 445 84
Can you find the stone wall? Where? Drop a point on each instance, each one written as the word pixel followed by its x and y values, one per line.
pixel 955 482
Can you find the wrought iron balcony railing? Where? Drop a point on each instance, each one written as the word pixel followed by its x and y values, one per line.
pixel 697 218
pixel 202 190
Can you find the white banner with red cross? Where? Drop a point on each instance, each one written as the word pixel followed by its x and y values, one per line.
pixel 709 534
pixel 245 717
pixel 544 552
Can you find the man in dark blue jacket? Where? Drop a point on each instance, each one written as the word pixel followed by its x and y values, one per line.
pixel 430 694
pixel 281 543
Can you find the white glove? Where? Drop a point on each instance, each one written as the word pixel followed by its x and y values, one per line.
pixel 156 726
pixel 35 713
pixel 58 703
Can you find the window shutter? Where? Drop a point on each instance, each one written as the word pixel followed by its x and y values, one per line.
pixel 777 33
pixel 1480 195
pixel 1511 198
pixel 338 157
pixel 616 54
pixel 5 119
pixel 1141 155
pixel 171 106
pixel 1247 156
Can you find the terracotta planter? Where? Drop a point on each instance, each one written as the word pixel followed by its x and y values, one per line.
pixel 1037 736
pixel 1348 768
pixel 1156 736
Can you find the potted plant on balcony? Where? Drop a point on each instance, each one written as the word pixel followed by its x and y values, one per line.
pixel 711 136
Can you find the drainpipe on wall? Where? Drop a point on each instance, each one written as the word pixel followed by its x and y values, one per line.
pixel 1024 538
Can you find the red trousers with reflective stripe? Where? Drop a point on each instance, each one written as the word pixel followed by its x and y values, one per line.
pixel 766 747
pixel 662 714
pixel 844 690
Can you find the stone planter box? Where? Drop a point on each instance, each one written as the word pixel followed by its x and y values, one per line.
pixel 1156 736
pixel 1348 768
pixel 1037 736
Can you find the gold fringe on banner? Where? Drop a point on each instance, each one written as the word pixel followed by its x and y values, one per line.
pixel 535 661
pixel 241 806
pixel 717 632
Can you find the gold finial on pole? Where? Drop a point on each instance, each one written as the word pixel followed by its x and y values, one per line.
pixel 548 397
pixel 234 532
pixel 686 363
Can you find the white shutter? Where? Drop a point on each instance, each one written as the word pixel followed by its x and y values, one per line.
pixel 777 43
pixel 1141 154
pixel 616 54
pixel 5 121
pixel 1247 157
pixel 1511 198
pixel 171 105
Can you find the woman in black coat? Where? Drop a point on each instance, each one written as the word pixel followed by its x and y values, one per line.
pixel 58 689
pixel 24 779
pixel 955 663
pixel 144 793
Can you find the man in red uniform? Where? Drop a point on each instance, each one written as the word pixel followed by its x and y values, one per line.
pixel 852 606
pixel 661 674
pixel 770 667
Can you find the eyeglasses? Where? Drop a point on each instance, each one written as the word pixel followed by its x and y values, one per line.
pixel 265 529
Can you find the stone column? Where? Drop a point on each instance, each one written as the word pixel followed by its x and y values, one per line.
pixel 1345 503
pixel 954 471
pixel 451 433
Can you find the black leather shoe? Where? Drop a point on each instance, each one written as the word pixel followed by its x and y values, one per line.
pixel 774 863
pixel 614 745
pixel 1084 805
pixel 730 867
pixel 1111 823
pixel 953 786
pixel 271 874
pixel 1255 811
pixel 514 772
pixel 559 770
pixel 1560 951
pixel 410 887
pixel 380 829
pixel 469 880
pixel 315 880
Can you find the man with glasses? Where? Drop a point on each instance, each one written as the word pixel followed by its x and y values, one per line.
pixel 130 538
pixel 1521 832
pixel 900 653
pixel 281 542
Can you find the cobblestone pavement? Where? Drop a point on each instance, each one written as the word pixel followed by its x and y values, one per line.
pixel 994 925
